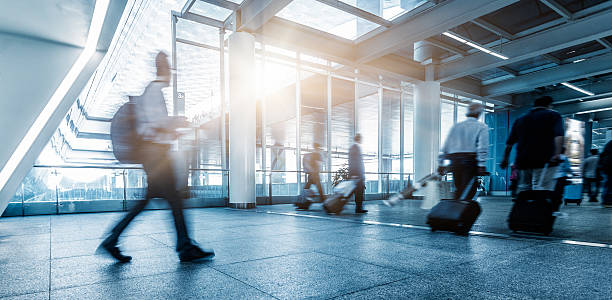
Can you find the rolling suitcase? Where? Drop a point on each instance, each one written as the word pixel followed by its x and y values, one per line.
pixel 572 194
pixel 455 215
pixel 533 212
pixel 335 203
pixel 306 199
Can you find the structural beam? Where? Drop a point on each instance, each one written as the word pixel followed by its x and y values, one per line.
pixel 585 107
pixel 202 20
pixel 591 67
pixel 444 46
pixel 440 18
pixel 187 6
pixel 492 28
pixel 561 37
pixel 255 13
pixel 223 3
pixel 605 43
pixel 558 8
pixel 357 12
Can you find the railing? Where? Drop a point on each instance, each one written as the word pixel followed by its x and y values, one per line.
pixel 69 189
pixel 274 184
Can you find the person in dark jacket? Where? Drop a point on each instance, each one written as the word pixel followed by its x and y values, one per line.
pixel 154 126
pixel 539 138
pixel 605 166
pixel 357 170
pixel 312 167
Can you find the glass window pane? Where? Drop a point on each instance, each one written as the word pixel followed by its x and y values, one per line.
pixel 461 112
pixel 279 92
pixel 447 111
pixel 367 110
pixel 326 18
pixel 209 10
pixel 343 118
pixel 408 98
pixel 196 32
pixel 391 131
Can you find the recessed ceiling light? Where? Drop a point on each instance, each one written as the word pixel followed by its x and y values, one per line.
pixel 474 45
pixel 579 60
pixel 573 87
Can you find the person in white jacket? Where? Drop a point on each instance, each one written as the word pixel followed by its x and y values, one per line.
pixel 467 147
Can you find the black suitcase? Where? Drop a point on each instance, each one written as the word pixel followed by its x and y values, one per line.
pixel 455 215
pixel 533 212
pixel 335 202
pixel 304 201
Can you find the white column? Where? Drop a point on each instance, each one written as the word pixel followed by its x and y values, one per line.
pixel 426 127
pixel 242 119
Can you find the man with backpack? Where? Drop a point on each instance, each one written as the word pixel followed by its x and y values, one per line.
pixel 155 132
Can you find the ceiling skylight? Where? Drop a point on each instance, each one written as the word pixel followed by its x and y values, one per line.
pixel 323 17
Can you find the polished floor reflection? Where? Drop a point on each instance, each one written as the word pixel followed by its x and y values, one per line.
pixel 276 252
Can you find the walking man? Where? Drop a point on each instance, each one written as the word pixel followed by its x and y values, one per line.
pixel 154 126
pixel 467 147
pixel 590 175
pixel 312 166
pixel 357 170
pixel 539 139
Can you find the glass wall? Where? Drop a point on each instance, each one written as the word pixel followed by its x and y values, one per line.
pixel 342 120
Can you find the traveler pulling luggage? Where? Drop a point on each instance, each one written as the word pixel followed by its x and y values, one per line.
pixel 533 210
pixel 335 203
pixel 456 215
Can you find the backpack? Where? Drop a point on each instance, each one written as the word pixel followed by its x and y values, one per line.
pixel 124 137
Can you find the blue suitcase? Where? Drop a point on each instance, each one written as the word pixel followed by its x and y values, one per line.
pixel 572 194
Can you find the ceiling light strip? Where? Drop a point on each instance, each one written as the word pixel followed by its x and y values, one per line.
pixel 573 87
pixel 26 143
pixel 474 45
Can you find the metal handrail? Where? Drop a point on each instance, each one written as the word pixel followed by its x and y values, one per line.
pixel 332 172
pixel 116 167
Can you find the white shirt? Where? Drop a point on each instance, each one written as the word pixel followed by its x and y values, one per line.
pixel 469 136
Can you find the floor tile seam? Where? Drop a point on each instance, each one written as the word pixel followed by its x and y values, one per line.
pixel 367 262
pixel 419 227
pixel 121 279
pixel 23 294
pixel 369 288
pixel 245 283
pixel 262 258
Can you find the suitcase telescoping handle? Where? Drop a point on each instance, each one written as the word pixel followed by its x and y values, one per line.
pixel 468 188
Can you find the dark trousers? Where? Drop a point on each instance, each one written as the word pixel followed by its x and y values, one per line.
pixel 606 198
pixel 359 196
pixel 314 178
pixel 465 168
pixel 559 190
pixel 161 183
pixel 591 187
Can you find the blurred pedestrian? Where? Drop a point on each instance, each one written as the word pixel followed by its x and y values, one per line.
pixel 539 139
pixel 155 128
pixel 590 175
pixel 357 171
pixel 312 166
pixel 564 171
pixel 467 147
pixel 605 166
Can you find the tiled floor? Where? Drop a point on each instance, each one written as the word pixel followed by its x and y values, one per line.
pixel 276 252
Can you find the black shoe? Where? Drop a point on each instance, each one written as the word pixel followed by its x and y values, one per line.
pixel 193 252
pixel 361 211
pixel 109 246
